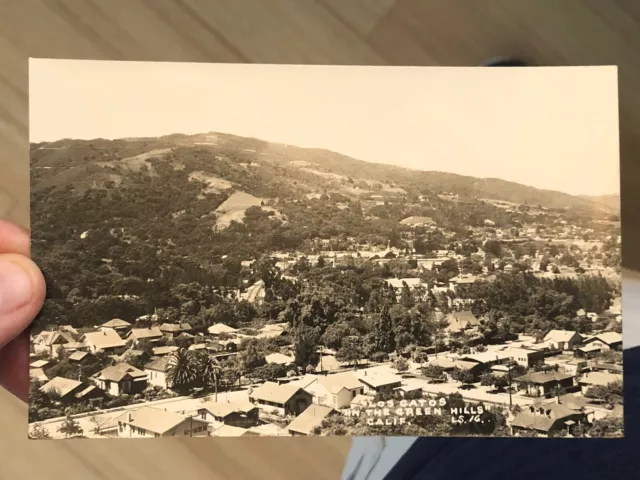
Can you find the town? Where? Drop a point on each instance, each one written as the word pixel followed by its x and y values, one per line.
pixel 151 377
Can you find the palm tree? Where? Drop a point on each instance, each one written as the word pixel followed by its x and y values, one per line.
pixel 182 371
pixel 209 370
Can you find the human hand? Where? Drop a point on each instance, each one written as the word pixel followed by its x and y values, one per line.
pixel 22 292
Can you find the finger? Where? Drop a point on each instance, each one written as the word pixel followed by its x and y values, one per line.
pixel 14 239
pixel 14 366
pixel 22 292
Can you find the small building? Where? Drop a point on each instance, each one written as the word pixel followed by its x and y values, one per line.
pixel 287 399
pixel 380 383
pixel 107 341
pixel 220 328
pixel 151 334
pixel 588 351
pixel 152 422
pixel 597 379
pixel 121 379
pixel 164 351
pixel 68 390
pixel 605 341
pixel 311 418
pixel 172 330
pixel 545 384
pixel 118 325
pixel 546 418
pixel 279 359
pixel 40 364
pixel 461 321
pixel 52 343
pixel 525 356
pixel 237 414
pixel 156 371
pixel 563 339
pixel 79 357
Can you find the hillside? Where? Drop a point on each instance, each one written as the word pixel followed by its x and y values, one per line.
pixel 607 201
pixel 94 162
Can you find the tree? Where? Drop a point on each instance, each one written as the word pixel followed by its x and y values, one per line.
pixel 209 371
pixel 182 371
pixel 99 421
pixel 401 365
pixel 383 332
pixel 251 357
pixel 463 376
pixel 432 371
pixel 351 350
pixel 70 428
pixel 607 427
pixel 305 346
pixel 39 432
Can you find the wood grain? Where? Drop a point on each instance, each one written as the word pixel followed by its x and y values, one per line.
pixel 395 32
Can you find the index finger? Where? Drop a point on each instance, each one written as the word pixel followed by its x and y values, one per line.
pixel 14 239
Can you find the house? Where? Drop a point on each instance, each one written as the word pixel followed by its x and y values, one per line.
pixel 605 341
pixel 330 394
pixel 307 421
pixel 597 379
pixel 545 384
pixel 279 359
pixel 237 414
pixel 220 328
pixel 79 357
pixel 272 330
pixel 156 371
pixel 40 364
pixel 154 422
pixel 487 358
pixel 172 330
pixel 287 399
pixel 53 342
pixel 121 379
pixel 162 351
pixel 104 341
pixel 588 351
pixel 412 283
pixel 545 418
pixel 525 356
pixel 68 390
pixel 563 339
pixel 381 383
pixel 118 325
pixel 461 321
pixel 151 334
pixel 462 279
pixel 417 221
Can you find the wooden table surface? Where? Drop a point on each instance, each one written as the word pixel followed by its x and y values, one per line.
pixel 379 32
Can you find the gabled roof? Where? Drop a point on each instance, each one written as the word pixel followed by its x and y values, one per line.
pixel 78 356
pixel 272 392
pixel 142 333
pixel 174 327
pixel 462 320
pixel 117 373
pixel 62 385
pixel 219 328
pixel 560 335
pixel 311 418
pixel 155 420
pixel 160 364
pixel 346 379
pixel 56 338
pixel 104 339
pixel 600 378
pixel 232 431
pixel 166 350
pixel 608 337
pixel 380 380
pixel 116 323
pixel 542 421
pixel 544 377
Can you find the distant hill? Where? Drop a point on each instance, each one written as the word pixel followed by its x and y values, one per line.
pixel 610 201
pixel 285 168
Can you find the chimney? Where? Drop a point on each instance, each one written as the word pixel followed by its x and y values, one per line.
pixel 130 417
pixel 104 332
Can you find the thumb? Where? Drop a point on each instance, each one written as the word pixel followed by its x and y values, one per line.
pixel 22 291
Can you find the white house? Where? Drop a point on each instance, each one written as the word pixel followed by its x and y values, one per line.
pixel 156 371
pixel 121 379
pixel 563 339
pixel 151 334
pixel 605 341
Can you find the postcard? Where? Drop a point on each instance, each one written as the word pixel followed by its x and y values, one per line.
pixel 280 250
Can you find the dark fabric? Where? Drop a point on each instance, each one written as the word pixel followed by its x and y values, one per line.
pixel 533 458
pixel 505 62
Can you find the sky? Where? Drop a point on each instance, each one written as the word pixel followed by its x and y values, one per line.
pixel 554 128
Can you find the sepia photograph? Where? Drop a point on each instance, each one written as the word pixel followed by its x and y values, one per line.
pixel 278 250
